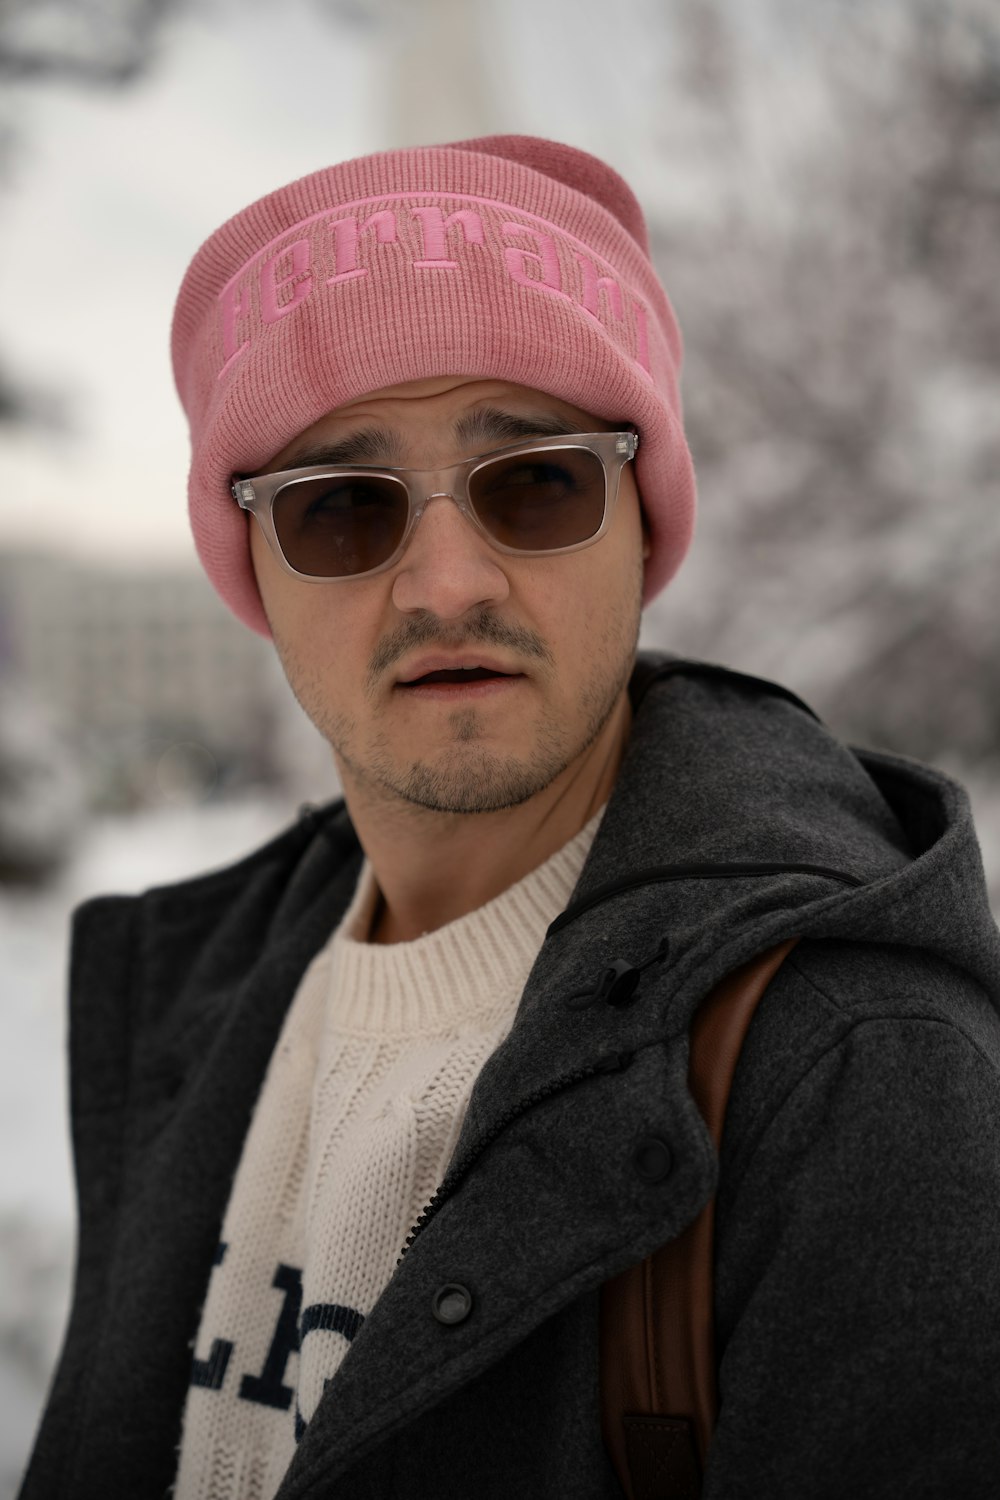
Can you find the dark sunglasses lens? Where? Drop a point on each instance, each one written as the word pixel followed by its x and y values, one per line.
pixel 339 525
pixel 538 501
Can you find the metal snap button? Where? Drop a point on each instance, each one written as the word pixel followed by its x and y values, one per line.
pixel 652 1158
pixel 452 1303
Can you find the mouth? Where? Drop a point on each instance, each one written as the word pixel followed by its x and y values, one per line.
pixel 461 682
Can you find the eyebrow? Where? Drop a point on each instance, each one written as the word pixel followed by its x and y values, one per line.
pixel 381 445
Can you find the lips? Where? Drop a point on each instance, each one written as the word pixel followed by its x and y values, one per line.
pixel 443 668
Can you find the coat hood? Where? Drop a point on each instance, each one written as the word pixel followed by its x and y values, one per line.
pixel 759 824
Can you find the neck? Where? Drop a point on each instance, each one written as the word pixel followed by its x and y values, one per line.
pixel 433 868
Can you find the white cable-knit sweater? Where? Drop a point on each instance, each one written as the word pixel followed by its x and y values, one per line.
pixel 352 1133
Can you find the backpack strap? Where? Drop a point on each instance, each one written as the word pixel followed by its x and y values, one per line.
pixel 658 1378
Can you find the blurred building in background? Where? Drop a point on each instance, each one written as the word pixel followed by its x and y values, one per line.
pixel 123 689
pixel 147 672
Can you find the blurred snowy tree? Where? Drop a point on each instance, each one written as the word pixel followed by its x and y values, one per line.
pixel 843 379
pixel 103 43
pixel 87 41
pixel 41 790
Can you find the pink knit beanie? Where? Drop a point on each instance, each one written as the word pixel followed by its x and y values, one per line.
pixel 506 257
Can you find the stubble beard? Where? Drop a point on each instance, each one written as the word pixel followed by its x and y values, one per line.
pixel 468 779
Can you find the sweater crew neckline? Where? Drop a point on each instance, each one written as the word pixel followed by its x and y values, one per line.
pixel 462 973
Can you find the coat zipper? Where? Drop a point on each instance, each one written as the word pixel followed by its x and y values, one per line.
pixel 615 1062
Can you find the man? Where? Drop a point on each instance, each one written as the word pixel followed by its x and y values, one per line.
pixel 362 1126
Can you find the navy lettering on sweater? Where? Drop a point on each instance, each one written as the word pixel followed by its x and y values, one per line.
pixel 292 1327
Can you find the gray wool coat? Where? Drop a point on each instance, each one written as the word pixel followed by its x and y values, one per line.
pixel 858 1213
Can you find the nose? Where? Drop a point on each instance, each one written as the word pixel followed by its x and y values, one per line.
pixel 448 567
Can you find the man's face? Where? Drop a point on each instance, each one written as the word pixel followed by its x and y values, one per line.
pixel 565 627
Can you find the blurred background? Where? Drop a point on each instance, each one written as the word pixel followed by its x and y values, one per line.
pixel 822 185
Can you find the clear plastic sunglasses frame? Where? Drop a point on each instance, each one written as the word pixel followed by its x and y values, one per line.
pixel 614 449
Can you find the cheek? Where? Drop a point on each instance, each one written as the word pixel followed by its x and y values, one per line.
pixel 301 615
pixel 324 633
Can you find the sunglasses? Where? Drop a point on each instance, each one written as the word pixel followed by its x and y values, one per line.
pixel 529 499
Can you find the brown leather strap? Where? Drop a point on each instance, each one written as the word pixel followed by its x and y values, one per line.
pixel 657 1326
pixel 661 1458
